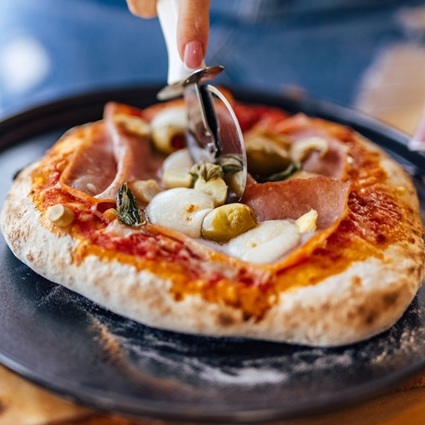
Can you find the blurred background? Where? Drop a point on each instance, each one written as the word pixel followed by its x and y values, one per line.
pixel 365 54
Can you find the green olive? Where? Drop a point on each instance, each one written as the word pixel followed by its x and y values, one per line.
pixel 265 157
pixel 228 221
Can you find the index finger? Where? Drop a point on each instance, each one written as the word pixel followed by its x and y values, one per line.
pixel 194 24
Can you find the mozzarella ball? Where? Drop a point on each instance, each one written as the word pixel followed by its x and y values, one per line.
pixel 266 243
pixel 180 209
pixel 167 126
pixel 178 161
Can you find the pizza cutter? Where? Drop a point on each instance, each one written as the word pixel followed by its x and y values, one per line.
pixel 213 133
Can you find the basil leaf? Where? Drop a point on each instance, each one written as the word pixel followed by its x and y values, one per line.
pixel 127 211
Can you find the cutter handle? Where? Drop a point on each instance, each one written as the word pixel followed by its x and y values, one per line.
pixel 168 11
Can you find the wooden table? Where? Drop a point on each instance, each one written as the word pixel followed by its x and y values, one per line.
pixel 394 91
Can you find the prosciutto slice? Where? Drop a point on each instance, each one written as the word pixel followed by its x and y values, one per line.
pixel 134 155
pixel 299 127
pixel 92 168
pixel 104 162
pixel 332 164
pixel 290 199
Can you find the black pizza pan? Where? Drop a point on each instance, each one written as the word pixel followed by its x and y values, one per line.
pixel 78 349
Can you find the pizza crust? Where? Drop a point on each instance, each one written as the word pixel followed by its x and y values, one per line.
pixel 364 300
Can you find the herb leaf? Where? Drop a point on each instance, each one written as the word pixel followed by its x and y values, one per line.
pixel 231 163
pixel 206 171
pixel 127 211
pixel 281 175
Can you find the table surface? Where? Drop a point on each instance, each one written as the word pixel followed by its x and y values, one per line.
pixel 392 93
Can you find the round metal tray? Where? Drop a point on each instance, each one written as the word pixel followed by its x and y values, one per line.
pixel 78 349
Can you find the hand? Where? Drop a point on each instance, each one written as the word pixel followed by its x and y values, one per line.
pixel 192 26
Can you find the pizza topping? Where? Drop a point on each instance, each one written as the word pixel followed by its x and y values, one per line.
pixel 176 178
pixel 108 156
pixel 307 222
pixel 92 165
pixel 133 124
pixel 332 163
pixel 216 188
pixel 302 174
pixel 110 214
pixel 193 202
pixel 178 161
pixel 207 171
pixel 92 188
pixel 299 127
pixel 230 164
pixel 282 175
pixel 127 211
pixel 208 179
pixel 301 150
pixel 290 199
pixel 60 215
pixel 228 221
pixel 235 181
pixel 132 154
pixel 266 155
pixel 249 115
pixel 176 170
pixel 266 243
pixel 274 157
pixel 168 130
pixel 181 209
pixel 144 190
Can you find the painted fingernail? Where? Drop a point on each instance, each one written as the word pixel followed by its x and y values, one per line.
pixel 193 54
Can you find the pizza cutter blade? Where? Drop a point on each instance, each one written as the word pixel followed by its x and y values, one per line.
pixel 213 131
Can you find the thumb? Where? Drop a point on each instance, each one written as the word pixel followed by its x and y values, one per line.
pixel 192 31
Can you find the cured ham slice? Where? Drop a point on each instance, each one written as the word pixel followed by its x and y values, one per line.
pixel 115 155
pixel 290 199
pixel 300 127
pixel 134 155
pixel 93 166
pixel 332 164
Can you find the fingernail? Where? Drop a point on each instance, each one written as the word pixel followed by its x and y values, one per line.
pixel 193 54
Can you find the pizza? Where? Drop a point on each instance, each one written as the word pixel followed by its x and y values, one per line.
pixel 325 248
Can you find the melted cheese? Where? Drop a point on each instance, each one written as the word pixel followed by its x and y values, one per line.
pixel 178 161
pixel 170 117
pixel 180 209
pixel 266 243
